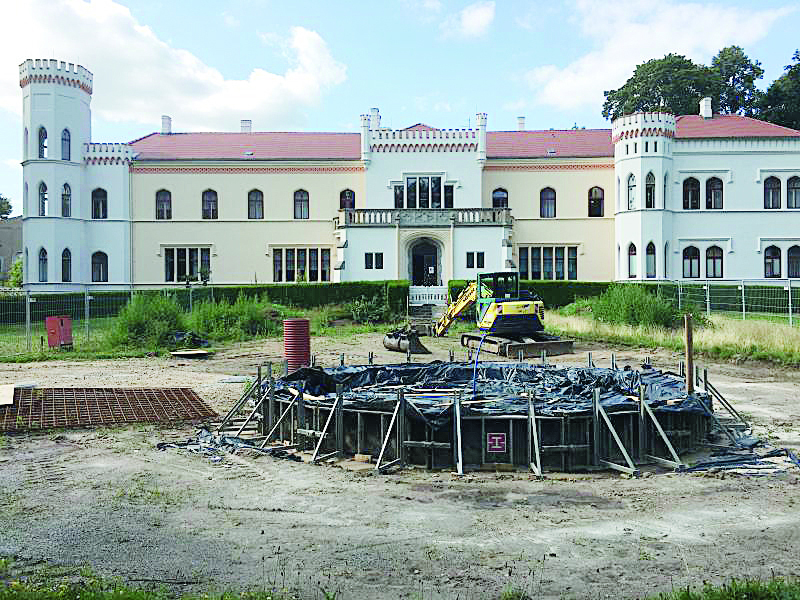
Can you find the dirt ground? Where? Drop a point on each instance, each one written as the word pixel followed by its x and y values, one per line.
pixel 108 499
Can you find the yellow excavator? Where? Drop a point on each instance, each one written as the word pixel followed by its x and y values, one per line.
pixel 511 321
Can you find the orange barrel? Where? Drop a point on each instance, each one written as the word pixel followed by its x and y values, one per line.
pixel 297 343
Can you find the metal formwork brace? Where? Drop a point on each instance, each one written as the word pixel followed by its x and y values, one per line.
pixel 236 407
pixel 534 458
pixel 458 441
pixel 324 432
pixel 599 411
pixel 378 466
pixel 285 412
pixel 645 410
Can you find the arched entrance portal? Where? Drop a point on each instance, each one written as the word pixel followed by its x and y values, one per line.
pixel 424 263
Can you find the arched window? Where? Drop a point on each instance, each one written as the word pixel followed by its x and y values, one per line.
pixel 42 199
pixel 65 149
pixel 793 193
pixel 301 204
pixel 25 144
pixel 772 262
pixel 691 262
pixel 99 267
pixel 42 142
pixel 772 192
pixel 714 262
pixel 596 198
pixel 666 260
pixel 547 203
pixel 210 204
pixel 691 194
pixel 66 265
pixel 714 193
pixel 666 189
pixel 66 201
pixel 99 204
pixel 500 198
pixel 163 205
pixel 793 258
pixel 631 192
pixel 255 204
pixel 650 260
pixel 347 199
pixel 650 191
pixel 632 261
pixel 42 265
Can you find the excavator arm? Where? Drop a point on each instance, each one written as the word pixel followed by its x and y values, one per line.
pixel 465 299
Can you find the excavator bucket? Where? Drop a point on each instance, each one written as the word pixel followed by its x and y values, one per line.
pixel 404 341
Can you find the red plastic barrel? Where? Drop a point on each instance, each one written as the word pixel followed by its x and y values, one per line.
pixel 297 343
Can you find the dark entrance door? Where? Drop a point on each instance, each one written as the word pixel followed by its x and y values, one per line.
pixel 424 264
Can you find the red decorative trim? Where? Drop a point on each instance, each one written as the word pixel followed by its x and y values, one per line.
pixel 567 167
pixel 107 160
pixel 245 170
pixel 635 133
pixel 55 79
pixel 390 148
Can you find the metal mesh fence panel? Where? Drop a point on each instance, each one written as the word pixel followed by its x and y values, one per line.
pixel 13 335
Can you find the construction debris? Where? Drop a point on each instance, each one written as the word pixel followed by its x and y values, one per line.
pixel 214 446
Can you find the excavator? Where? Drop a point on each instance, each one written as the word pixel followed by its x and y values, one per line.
pixel 510 320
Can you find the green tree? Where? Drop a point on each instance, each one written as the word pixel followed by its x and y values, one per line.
pixel 673 84
pixel 15 274
pixel 781 103
pixel 5 207
pixel 737 77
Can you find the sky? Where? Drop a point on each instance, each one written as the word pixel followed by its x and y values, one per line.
pixel 316 65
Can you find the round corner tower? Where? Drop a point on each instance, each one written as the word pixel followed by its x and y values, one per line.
pixel 642 168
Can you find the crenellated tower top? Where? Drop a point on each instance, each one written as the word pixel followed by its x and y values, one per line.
pixel 53 71
pixel 643 124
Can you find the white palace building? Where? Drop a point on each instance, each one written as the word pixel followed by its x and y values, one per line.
pixel 657 196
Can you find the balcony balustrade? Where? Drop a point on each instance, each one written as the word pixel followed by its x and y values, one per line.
pixel 423 217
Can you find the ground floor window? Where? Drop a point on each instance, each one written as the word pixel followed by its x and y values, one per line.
pixel 187 264
pixel 476 260
pixel 373 260
pixel 548 262
pixel 304 264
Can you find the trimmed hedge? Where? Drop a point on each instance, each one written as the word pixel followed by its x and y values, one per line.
pixel 554 293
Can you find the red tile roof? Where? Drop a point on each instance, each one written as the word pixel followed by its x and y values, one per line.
pixel 264 146
pixel 728 126
pixel 420 127
pixel 573 143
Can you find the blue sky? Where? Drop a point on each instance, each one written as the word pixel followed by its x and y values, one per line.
pixel 317 65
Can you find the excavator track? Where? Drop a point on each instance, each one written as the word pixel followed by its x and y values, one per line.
pixel 529 346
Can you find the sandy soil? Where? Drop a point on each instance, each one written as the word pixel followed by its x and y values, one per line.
pixel 110 500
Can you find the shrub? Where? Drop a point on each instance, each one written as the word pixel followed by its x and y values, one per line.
pixel 369 310
pixel 15 274
pixel 632 304
pixel 148 320
pixel 245 318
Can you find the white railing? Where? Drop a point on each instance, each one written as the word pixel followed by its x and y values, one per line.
pixel 421 294
pixel 424 217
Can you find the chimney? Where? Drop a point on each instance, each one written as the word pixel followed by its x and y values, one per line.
pixel 521 123
pixel 247 126
pixel 374 119
pixel 166 125
pixel 705 108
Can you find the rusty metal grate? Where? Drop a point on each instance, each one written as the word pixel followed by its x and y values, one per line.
pixel 43 408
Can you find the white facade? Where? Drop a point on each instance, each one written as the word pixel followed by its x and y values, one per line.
pixel 421 203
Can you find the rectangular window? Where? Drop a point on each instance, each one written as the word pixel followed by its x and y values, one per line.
pixel 523 263
pixel 325 272
pixel 193 266
pixel 301 265
pixel 205 263
pixel 277 265
pixel 181 264
pixel 470 260
pixel 379 260
pixel 536 263
pixel 289 264
pixel 313 264
pixel 572 263
pixel 411 192
pixel 547 259
pixel 645 146
pixel 560 262
pixel 436 192
pixel 368 260
pixel 635 147
pixel 424 184
pixel 448 196
pixel 398 196
pixel 169 264
pixel 479 259
pixel 655 146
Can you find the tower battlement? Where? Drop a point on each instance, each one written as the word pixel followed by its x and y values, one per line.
pixel 53 71
pixel 107 154
pixel 644 124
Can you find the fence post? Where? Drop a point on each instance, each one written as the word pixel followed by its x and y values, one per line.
pixel 190 297
pixel 86 314
pixel 679 294
pixel 708 300
pixel 28 318
pixel 743 300
pixel 790 302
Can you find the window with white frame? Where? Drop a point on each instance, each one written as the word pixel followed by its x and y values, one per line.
pixel 650 260
pixel 632 261
pixel 302 264
pixel 772 193
pixel 793 192
pixel 713 262
pixel 476 260
pixel 691 262
pixel 691 194
pixel 423 191
pixel 548 262
pixel 191 263
pixel 631 192
pixel 772 262
pixel 373 260
pixel 714 194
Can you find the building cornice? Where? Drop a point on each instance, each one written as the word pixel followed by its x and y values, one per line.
pixel 139 169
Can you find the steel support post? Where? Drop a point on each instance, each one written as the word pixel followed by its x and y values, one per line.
pixel 339 420
pixel 595 427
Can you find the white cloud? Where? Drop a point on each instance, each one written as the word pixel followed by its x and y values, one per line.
pixel 230 20
pixel 627 33
pixel 138 77
pixel 473 21
pixel 425 10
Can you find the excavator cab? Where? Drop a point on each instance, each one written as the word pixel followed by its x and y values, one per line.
pixel 500 308
pixel 495 287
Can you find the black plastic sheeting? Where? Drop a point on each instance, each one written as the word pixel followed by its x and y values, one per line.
pixel 431 387
pixel 748 460
pixel 214 446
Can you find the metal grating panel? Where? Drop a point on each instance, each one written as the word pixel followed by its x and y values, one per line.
pixel 43 408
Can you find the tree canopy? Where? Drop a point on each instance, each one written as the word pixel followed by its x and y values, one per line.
pixel 5 207
pixel 781 103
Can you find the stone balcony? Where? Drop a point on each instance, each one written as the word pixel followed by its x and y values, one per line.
pixel 423 217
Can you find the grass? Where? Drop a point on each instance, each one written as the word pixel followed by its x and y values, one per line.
pixel 725 338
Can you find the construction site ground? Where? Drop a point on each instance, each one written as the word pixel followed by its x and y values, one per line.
pixel 109 500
